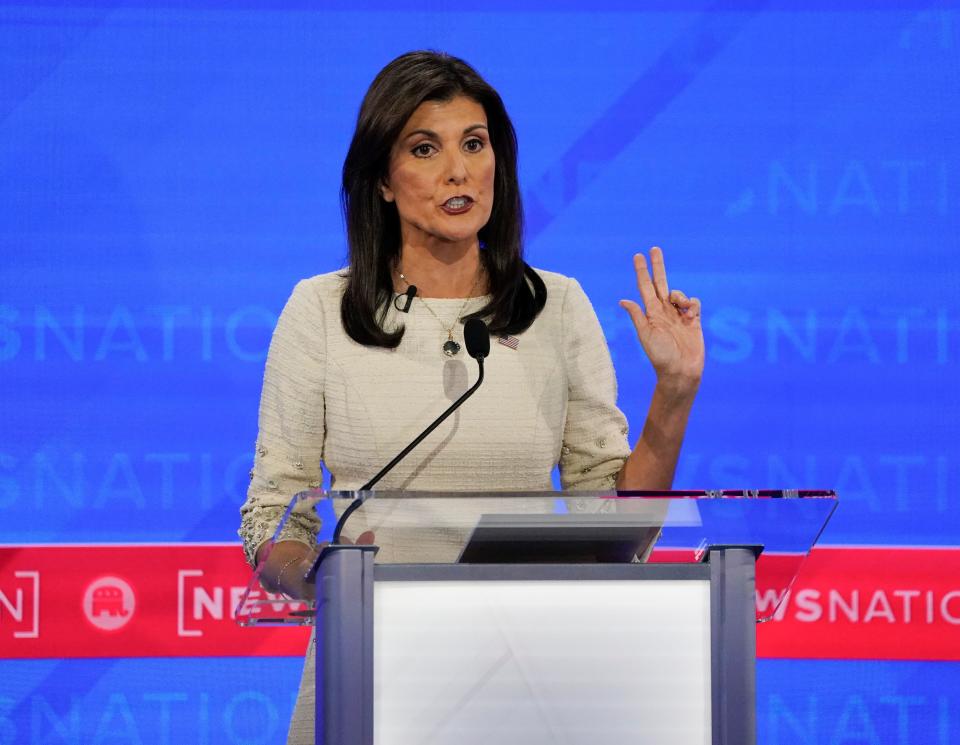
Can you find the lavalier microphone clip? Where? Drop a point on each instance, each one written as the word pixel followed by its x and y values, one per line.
pixel 410 294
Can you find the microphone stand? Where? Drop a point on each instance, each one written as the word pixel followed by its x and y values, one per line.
pixel 475 335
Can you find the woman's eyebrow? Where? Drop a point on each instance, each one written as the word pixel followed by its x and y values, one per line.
pixel 425 132
pixel 433 135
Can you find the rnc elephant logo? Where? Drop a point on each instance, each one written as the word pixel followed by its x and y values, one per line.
pixel 108 603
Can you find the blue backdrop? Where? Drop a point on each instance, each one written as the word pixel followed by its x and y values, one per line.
pixel 168 171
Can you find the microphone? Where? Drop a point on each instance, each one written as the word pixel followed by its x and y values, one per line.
pixel 410 294
pixel 477 340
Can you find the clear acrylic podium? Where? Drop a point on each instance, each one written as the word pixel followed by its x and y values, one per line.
pixel 535 618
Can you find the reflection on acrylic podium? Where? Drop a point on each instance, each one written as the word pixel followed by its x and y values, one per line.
pixel 527 618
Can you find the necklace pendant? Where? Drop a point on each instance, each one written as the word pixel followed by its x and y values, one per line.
pixel 451 348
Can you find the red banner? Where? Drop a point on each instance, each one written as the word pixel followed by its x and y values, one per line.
pixel 179 601
pixel 869 603
pixel 130 601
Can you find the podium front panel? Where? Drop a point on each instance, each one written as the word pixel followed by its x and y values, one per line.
pixel 532 655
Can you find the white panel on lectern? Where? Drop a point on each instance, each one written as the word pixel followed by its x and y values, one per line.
pixel 531 662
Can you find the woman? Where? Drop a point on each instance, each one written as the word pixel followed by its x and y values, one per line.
pixel 431 200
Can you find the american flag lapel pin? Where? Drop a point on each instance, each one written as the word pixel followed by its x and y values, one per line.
pixel 509 341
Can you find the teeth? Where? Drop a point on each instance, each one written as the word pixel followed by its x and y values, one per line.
pixel 456 203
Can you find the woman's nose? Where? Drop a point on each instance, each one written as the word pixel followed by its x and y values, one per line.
pixel 456 169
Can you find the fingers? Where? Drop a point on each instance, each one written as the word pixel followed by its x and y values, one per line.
pixel 636 313
pixel 689 307
pixel 659 273
pixel 366 538
pixel 655 291
pixel 644 284
pixel 679 301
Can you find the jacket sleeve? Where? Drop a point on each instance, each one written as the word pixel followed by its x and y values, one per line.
pixel 595 443
pixel 289 445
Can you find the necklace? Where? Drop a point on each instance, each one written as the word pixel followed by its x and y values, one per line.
pixel 450 347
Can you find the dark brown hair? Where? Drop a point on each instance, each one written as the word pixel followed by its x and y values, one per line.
pixel 373 225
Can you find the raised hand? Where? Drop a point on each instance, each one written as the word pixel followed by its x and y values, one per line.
pixel 668 326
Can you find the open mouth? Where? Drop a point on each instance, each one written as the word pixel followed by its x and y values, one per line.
pixel 457 204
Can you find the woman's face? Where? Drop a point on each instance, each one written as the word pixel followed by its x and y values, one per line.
pixel 441 173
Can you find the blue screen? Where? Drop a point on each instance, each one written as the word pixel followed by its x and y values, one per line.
pixel 169 171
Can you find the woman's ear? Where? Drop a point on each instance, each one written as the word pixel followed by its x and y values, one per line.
pixel 385 191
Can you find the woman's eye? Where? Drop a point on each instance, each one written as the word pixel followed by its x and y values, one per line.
pixel 473 146
pixel 423 150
